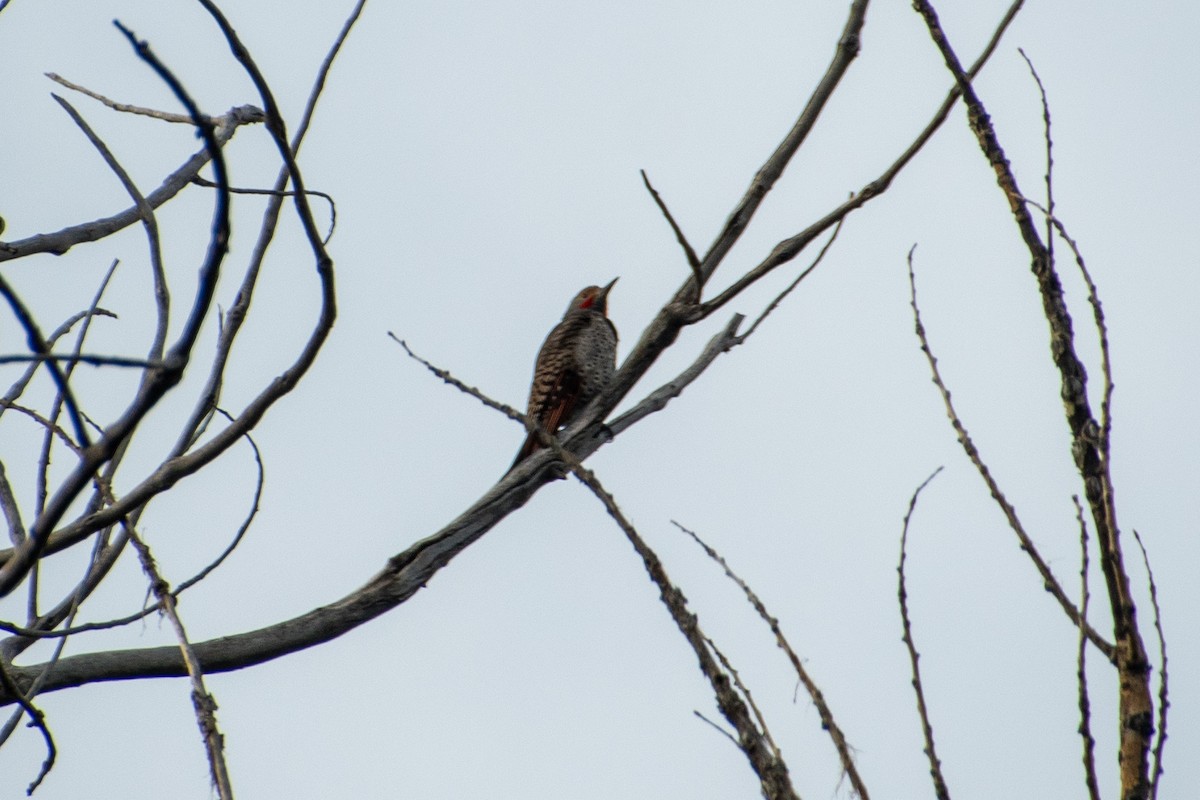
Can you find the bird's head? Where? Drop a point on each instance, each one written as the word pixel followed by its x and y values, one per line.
pixel 593 297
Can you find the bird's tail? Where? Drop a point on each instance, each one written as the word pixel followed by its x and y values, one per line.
pixel 527 449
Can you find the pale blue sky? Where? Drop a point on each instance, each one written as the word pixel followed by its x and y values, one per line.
pixel 485 162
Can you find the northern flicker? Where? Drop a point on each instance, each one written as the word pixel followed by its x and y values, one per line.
pixel 575 363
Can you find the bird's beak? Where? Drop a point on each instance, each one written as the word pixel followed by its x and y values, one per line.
pixel 608 287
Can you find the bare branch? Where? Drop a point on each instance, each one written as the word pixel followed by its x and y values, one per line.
pixel 788 249
pixel 772 771
pixel 61 241
pixel 202 702
pixel 1135 703
pixel 1050 582
pixel 115 106
pixel 1163 697
pixel 935 765
pixel 83 358
pixel 692 259
pixel 37 719
pixel 328 198
pixel 1049 153
pixel 158 382
pixel 782 295
pixel 1085 714
pixel 37 344
pixel 818 697
pixel 445 376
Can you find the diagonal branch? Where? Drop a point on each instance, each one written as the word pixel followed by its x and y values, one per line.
pixel 1050 582
pixel 692 259
pixel 770 767
pixel 814 692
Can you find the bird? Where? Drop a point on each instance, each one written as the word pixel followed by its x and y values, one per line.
pixel 575 364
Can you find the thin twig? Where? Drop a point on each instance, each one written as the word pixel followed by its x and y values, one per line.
pixel 782 295
pixel 42 481
pixel 718 728
pixel 162 299
pixel 741 687
pixel 1046 127
pixel 259 482
pixel 18 387
pixel 90 359
pixel 692 259
pixel 1085 714
pixel 935 765
pixel 38 720
pixel 199 181
pixel 202 701
pixel 818 698
pixel 115 106
pixel 12 512
pixel 1050 582
pixel 1163 698
pixel 445 376
pixel 771 769
pixel 37 344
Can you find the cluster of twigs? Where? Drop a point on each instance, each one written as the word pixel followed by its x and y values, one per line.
pixel 1091 454
pixel 109 521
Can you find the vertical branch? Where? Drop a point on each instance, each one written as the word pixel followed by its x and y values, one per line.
pixel 1163 700
pixel 1085 714
pixel 935 765
pixel 1049 156
pixel 202 702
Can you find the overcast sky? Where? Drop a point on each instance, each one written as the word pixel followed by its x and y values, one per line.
pixel 484 158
